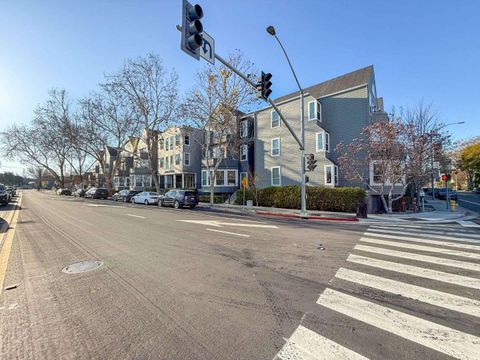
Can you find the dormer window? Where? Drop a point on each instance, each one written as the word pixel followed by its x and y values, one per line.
pixel 314 110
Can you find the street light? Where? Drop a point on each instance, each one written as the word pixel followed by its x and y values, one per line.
pixel 431 163
pixel 271 31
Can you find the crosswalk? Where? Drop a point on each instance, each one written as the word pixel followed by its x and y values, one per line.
pixel 413 290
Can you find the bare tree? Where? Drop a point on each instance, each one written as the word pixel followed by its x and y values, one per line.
pixel 151 91
pixel 105 119
pixel 214 105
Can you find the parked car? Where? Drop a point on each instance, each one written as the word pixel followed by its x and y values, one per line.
pixel 441 193
pixel 10 190
pixel 79 193
pixel 145 197
pixel 427 191
pixel 67 192
pixel 476 190
pixel 97 193
pixel 125 195
pixel 179 198
pixel 4 195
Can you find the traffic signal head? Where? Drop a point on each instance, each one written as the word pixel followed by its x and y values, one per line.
pixel 311 162
pixel 191 29
pixel 263 85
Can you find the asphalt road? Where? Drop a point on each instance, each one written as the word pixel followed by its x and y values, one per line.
pixel 469 200
pixel 189 284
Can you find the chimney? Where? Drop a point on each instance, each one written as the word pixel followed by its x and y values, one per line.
pixel 380 104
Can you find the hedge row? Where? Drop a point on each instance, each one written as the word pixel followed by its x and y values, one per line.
pixel 343 199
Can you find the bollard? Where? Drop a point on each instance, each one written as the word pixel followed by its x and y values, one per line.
pixel 453 205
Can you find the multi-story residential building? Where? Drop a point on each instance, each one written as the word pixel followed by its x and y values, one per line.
pixel 221 154
pixel 121 179
pixel 335 111
pixel 246 157
pixel 180 154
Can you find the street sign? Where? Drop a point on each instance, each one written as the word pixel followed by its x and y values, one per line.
pixel 207 51
pixel 244 182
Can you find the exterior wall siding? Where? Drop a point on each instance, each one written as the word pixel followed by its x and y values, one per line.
pixel 343 117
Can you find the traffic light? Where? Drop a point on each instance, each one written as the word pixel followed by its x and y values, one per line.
pixel 263 86
pixel 311 162
pixel 191 29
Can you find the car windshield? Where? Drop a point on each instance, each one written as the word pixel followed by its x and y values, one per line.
pixel 190 193
pixel 153 194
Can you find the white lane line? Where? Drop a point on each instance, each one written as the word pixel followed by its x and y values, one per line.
pixel 429 296
pixel 416 271
pixel 437 337
pixel 470 202
pixel 417 257
pixel 426 231
pixel 306 344
pixel 456 237
pixel 422 248
pixel 423 241
pixel 228 232
pixel 102 205
pixel 137 216
pixel 468 223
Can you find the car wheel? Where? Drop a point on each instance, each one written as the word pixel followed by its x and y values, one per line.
pixel 124 199
pixel 176 204
pixel 146 202
pixel 192 206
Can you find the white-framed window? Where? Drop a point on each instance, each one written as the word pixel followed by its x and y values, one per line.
pixel 172 139
pixel 186 140
pixel 171 162
pixel 177 159
pixel 177 139
pixel 217 152
pixel 275 147
pixel 167 142
pixel 243 152
pixel 244 128
pixel 223 177
pixel 331 174
pixel 205 178
pixel 314 110
pixel 220 178
pixel 275 119
pixel 327 142
pixel 162 162
pixel 231 177
pixel 276 176
pixel 186 159
pixel 320 142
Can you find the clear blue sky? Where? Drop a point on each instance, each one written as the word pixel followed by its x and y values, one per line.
pixel 426 49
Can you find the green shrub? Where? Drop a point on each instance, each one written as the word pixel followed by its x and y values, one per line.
pixel 318 197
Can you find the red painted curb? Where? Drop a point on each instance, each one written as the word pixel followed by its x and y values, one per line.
pixel 314 217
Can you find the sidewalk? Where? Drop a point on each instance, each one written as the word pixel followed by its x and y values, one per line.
pixel 280 212
pixel 438 214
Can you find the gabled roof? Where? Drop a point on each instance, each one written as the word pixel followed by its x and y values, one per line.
pixel 112 151
pixel 340 83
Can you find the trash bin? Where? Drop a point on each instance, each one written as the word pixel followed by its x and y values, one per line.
pixel 362 210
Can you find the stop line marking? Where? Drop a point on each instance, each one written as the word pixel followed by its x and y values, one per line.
pixel 219 223
pixel 228 232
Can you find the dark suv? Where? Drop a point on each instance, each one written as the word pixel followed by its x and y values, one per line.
pixel 97 193
pixel 179 198
pixel 4 195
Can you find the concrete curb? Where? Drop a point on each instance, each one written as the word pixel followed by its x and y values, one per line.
pixel 327 216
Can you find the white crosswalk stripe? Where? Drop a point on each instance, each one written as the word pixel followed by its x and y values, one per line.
pixel 453 237
pixel 391 275
pixel 411 246
pixel 441 338
pixel 449 278
pixel 429 241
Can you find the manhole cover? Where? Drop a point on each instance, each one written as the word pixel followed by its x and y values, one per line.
pixel 82 266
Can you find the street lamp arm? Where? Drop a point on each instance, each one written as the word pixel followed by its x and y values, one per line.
pixel 289 63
